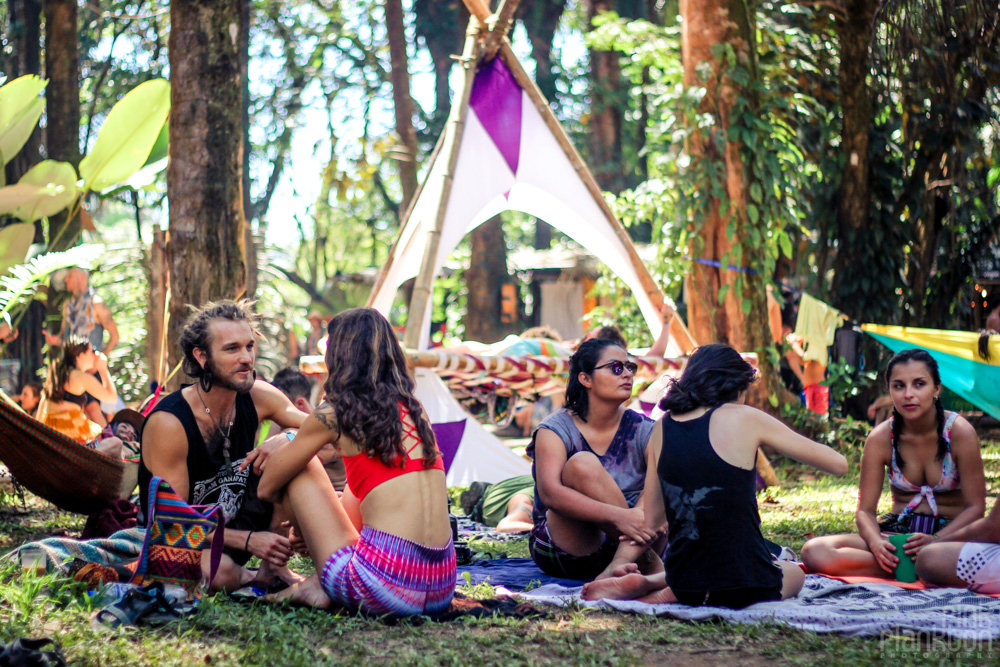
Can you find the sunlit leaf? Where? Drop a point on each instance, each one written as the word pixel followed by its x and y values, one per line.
pixel 128 136
pixel 47 188
pixel 155 163
pixel 14 243
pixel 20 109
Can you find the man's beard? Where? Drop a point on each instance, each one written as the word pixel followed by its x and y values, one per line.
pixel 231 383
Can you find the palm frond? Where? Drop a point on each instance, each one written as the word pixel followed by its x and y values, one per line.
pixel 22 282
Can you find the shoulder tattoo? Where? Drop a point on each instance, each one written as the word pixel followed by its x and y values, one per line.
pixel 324 413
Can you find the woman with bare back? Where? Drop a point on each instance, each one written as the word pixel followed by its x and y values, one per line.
pixel 700 479
pixel 386 547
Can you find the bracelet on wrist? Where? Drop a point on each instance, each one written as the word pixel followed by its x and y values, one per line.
pixel 246 547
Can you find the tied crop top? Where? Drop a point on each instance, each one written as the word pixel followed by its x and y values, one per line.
pixel 949 474
pixel 365 472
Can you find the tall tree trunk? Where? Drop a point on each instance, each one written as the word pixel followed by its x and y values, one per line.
pixel 62 104
pixel 401 99
pixel 486 274
pixel 441 24
pixel 854 197
pixel 706 23
pixel 248 213
pixel 24 18
pixel 205 247
pixel 605 110
pixel 541 19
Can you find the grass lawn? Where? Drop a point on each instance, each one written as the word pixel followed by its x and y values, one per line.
pixel 228 633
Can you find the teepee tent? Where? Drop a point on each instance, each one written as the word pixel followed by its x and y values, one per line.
pixel 502 149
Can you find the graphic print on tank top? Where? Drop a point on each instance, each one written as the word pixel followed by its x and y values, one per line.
pixel 225 489
pixel 686 507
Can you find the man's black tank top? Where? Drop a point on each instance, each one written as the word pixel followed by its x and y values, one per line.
pixel 715 543
pixel 209 481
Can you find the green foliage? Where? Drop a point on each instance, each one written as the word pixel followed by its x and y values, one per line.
pixel 127 136
pixel 44 190
pixel 847 435
pixel 20 109
pixel 23 280
pixel 15 240
pixel 845 381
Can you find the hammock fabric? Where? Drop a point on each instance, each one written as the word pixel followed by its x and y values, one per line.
pixel 55 467
pixel 963 369
pixel 505 375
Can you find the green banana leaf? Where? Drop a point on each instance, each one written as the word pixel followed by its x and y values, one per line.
pixel 155 163
pixel 20 109
pixel 15 240
pixel 127 136
pixel 47 188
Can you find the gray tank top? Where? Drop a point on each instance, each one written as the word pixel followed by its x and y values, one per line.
pixel 625 459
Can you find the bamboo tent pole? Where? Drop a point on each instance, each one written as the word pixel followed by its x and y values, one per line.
pixel 678 329
pixel 422 289
pixel 384 269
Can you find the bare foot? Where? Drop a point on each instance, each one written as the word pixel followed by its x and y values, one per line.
pixel 662 596
pixel 613 570
pixel 622 570
pixel 284 573
pixel 627 587
pixel 307 593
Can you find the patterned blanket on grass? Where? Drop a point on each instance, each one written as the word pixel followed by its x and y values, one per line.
pixel 121 547
pixel 828 605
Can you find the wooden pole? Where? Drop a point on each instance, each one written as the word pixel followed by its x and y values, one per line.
pixel 384 269
pixel 680 332
pixel 424 285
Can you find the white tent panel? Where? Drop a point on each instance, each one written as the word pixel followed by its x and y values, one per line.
pixel 481 456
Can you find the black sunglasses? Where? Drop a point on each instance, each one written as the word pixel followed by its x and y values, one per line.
pixel 618 367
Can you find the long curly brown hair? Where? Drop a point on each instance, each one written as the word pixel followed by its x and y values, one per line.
pixel 368 383
pixel 55 384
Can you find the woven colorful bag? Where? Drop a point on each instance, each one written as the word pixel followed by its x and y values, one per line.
pixel 176 534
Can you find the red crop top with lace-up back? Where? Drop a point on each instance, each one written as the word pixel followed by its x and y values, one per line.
pixel 365 472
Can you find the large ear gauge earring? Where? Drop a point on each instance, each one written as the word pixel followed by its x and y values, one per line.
pixel 205 381
pixel 255 375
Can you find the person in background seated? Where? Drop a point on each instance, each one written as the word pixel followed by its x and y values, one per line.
pixel 294 384
pixel 506 505
pixel 67 388
pixel 386 548
pixel 966 558
pixel 589 467
pixel 701 481
pixel 30 396
pixel 126 425
pixel 935 477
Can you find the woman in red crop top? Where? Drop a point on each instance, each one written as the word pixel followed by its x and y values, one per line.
pixel 385 547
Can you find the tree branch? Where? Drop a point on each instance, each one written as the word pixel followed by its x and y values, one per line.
pixel 307 287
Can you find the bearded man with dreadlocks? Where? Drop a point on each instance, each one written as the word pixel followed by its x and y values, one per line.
pixel 201 440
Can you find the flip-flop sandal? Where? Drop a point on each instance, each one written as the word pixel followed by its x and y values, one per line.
pixel 148 603
pixel 249 594
pixel 26 652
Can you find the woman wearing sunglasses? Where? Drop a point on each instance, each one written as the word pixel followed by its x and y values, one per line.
pixel 701 479
pixel 589 467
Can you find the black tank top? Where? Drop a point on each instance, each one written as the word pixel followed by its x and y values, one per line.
pixel 79 399
pixel 715 539
pixel 211 481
